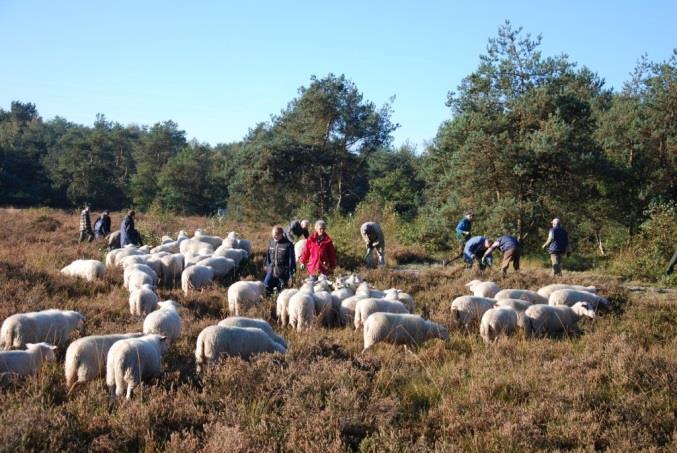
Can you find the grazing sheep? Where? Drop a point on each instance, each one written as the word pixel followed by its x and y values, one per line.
pixel 468 309
pixel 217 341
pixel 143 300
pixel 244 295
pixel 137 267
pixel 364 289
pixel 342 293
pixel 125 252
pixel 214 241
pixel 483 289
pixel 190 259
pixel 518 305
pixel 301 310
pixel 196 277
pixel 171 247
pixel 237 255
pixel 406 299
pixel 164 321
pixel 553 320
pixel 239 321
pixel 196 247
pixel 221 265
pixel 50 326
pixel 366 307
pixel 549 289
pixel 570 296
pixel 172 267
pixel 523 294
pixel 397 328
pixel 90 270
pixel 110 257
pixel 133 360
pixel 347 309
pixel 232 241
pixel 139 278
pixel 86 357
pixel 327 309
pixel 498 321
pixel 282 306
pixel 298 248
pixel 15 364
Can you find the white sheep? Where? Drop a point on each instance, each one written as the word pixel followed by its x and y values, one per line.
pixel 191 259
pixel 347 309
pixel 570 296
pixel 298 248
pixel 90 270
pixel 321 284
pixel 217 341
pixel 50 326
pixel 301 310
pixel 554 320
pixel 232 241
pixel 401 296
pixel 164 321
pixel 25 363
pixel 214 241
pixel 172 267
pixel 221 265
pixel 240 321
pixel 244 295
pixel 496 322
pixel 523 294
pixel 327 308
pixel 125 252
pixel 237 255
pixel 343 293
pixel 397 328
pixel 138 279
pixel 86 357
pixel 366 307
pixel 468 309
pixel 549 289
pixel 139 267
pixel 195 278
pixel 131 361
pixel 483 289
pixel 143 300
pixel 365 289
pixel 518 305
pixel 196 247
pixel 282 305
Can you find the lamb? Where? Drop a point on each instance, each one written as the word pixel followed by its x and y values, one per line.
pixel 298 248
pixel 239 321
pixel 237 255
pixel 366 307
pixel 398 328
pixel 221 266
pixel 217 341
pixel 468 309
pixel 282 305
pixel 483 289
pixel 133 360
pixel 498 321
pixel 90 270
pixel 406 299
pixel 196 277
pixel 165 321
pixel 243 295
pixel 25 363
pixel 570 296
pixel 86 358
pixel 51 326
pixel 552 320
pixel 143 300
pixel 549 289
pixel 301 310
pixel 523 294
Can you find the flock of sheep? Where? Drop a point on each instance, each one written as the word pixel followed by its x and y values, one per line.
pixel 126 360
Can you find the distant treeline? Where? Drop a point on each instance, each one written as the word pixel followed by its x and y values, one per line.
pixel 530 138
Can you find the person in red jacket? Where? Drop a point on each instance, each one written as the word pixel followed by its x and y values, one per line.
pixel 319 254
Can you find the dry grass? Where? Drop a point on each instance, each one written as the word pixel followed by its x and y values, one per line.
pixel 612 388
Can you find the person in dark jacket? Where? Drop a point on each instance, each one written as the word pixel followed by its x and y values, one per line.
pixel 102 225
pixel 463 231
pixel 511 249
pixel 280 261
pixel 128 233
pixel 475 249
pixel 373 238
pixel 296 229
pixel 85 225
pixel 558 245
pixel 319 254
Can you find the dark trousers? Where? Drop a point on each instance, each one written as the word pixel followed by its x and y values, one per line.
pixel 84 233
pixel 273 282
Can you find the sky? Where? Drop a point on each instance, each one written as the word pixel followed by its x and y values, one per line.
pixel 217 68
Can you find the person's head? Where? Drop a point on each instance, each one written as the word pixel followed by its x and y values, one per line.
pixel 320 227
pixel 469 215
pixel 86 207
pixel 277 232
pixel 106 212
pixel 131 213
pixel 555 222
pixel 488 242
pixel 305 223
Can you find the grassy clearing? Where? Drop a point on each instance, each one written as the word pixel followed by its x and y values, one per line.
pixel 613 388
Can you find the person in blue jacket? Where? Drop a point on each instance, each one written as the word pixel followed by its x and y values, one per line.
pixel 475 249
pixel 511 249
pixel 462 232
pixel 280 261
pixel 128 233
pixel 558 245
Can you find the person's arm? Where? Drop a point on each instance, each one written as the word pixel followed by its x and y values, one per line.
pixel 305 254
pixel 292 261
pixel 551 236
pixel 490 249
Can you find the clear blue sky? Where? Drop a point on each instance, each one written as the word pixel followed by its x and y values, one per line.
pixel 219 67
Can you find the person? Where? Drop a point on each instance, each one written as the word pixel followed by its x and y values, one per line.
pixel 129 234
pixel 296 229
pixel 475 249
pixel 280 261
pixel 671 264
pixel 85 225
pixel 102 225
pixel 558 245
pixel 463 232
pixel 372 235
pixel 319 254
pixel 511 249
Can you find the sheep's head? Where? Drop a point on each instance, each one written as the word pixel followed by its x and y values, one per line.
pixel 46 350
pixel 583 309
pixel 169 304
pixel 437 331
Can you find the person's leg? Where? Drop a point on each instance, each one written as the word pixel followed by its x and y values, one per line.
pixel 671 264
pixel 507 257
pixel 556 260
pixel 269 282
pixel 381 256
pixel 82 236
pixel 516 259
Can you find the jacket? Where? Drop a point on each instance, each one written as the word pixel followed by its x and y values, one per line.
pixel 319 256
pixel 280 259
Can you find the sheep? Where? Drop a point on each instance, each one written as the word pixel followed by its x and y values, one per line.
pixel 523 294
pixel 365 307
pixel 110 257
pixel 321 284
pixel 347 309
pixel 483 289
pixel 133 360
pixel 237 255
pixel 164 321
pixel 243 295
pixel 165 239
pixel 364 289
pixel 398 328
pixel 282 305
pixel 468 309
pixel 216 341
pixel 191 259
pixel 518 305
pixel 90 270
pixel 25 363
pixel 196 247
pixel 220 265
pixel 570 296
pixel 143 300
pixel 498 321
pixel 301 310
pixel 327 309
pixel 196 277
pixel 549 289
pixel 86 357
pixel 137 279
pixel 406 299
pixel 172 267
pixel 552 320
pixel 214 241
pixel 232 241
pixel 342 292
pixel 239 321
pixel 298 248
pixel 171 247
pixel 125 252
pixel 51 326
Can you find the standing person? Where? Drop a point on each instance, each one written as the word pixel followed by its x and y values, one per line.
pixel 280 261
pixel 372 235
pixel 671 264
pixel 319 255
pixel 463 231
pixel 102 225
pixel 511 249
pixel 296 229
pixel 85 225
pixel 558 245
pixel 128 233
pixel 475 249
